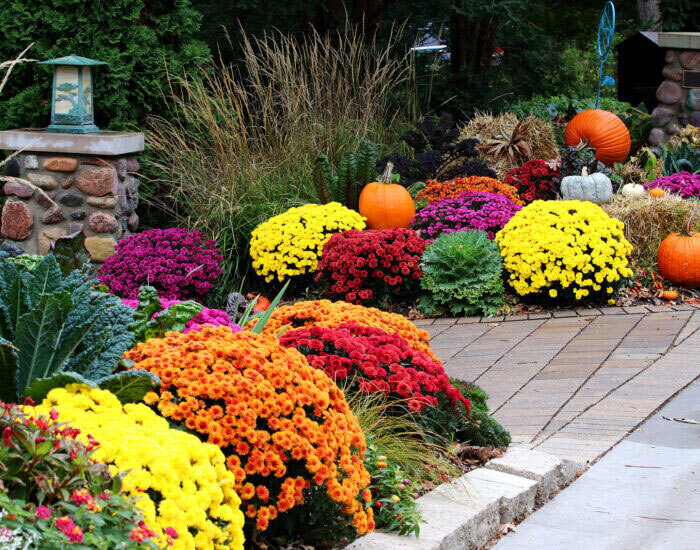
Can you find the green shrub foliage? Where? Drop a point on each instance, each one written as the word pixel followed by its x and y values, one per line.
pixel 462 273
pixel 136 37
pixel 56 329
pixel 488 432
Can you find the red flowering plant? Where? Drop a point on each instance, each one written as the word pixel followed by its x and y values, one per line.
pixel 370 360
pixel 371 266
pixel 52 494
pixel 534 180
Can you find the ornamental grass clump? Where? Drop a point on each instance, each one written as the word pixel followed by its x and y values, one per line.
pixel 324 313
pixel 476 210
pixel 180 264
pixel 462 274
pixel 291 441
pixel 370 360
pixel 534 180
pixel 565 251
pixel 685 184
pixel 438 190
pixel 55 494
pixel 372 266
pixel 184 489
pixel 291 243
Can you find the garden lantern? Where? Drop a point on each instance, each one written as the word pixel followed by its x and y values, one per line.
pixel 72 96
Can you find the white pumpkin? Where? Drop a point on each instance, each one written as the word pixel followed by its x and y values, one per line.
pixel 632 190
pixel 595 188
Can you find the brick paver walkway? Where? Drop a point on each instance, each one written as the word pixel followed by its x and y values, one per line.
pixel 573 383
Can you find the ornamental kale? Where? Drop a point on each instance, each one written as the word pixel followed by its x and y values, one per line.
pixel 178 263
pixel 56 329
pixel 371 266
pixel 534 180
pixel 471 210
pixel 462 274
pixel 685 184
pixel 438 153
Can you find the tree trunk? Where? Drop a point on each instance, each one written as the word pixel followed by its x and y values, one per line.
pixel 650 14
pixel 471 46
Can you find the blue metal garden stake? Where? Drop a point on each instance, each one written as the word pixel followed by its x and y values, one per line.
pixel 606 30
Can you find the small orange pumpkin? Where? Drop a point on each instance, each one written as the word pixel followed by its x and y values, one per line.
pixel 385 204
pixel 669 295
pixel 602 130
pixel 679 257
pixel 656 192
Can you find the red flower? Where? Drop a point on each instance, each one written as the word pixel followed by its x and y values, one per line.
pixel 534 180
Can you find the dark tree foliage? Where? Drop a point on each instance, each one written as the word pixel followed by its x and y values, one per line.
pixel 438 153
pixel 138 38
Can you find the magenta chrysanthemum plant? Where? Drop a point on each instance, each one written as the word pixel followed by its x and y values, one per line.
pixel 178 263
pixel 471 210
pixel 685 184
pixel 208 316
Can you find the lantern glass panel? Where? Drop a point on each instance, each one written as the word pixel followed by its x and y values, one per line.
pixel 66 92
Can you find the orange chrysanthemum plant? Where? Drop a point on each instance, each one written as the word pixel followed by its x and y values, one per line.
pixel 438 190
pixel 284 426
pixel 327 314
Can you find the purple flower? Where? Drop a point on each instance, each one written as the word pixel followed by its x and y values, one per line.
pixel 180 264
pixel 684 184
pixel 471 210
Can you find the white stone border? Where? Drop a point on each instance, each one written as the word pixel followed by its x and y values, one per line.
pixel 465 513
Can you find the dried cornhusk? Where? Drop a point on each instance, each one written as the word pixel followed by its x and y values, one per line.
pixel 649 220
pixel 540 136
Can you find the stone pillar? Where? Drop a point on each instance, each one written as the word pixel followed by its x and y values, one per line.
pixel 678 106
pixel 88 183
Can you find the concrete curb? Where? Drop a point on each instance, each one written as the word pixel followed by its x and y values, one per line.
pixel 465 513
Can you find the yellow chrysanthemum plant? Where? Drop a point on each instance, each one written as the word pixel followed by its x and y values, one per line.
pixel 184 488
pixel 569 251
pixel 291 243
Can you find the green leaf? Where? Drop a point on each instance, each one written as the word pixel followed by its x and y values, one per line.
pixel 70 252
pixel 40 387
pixel 46 278
pixel 260 325
pixel 8 371
pixel 173 318
pixel 130 386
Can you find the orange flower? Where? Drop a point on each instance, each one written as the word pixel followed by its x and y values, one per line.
pixel 436 190
pixel 263 394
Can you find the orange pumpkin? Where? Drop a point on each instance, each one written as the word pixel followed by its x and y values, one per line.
pixel 656 192
pixel 669 295
pixel 602 130
pixel 385 204
pixel 679 257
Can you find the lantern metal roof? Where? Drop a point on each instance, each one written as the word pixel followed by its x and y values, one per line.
pixel 74 60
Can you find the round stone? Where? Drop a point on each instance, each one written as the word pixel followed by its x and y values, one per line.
pixel 670 56
pixel 47 237
pixel 132 164
pixel 133 222
pixel 672 73
pixel 101 222
pixel 78 215
pixel 103 202
pixel 61 164
pixel 669 92
pixel 657 136
pixel 17 220
pixel 68 182
pixel 31 162
pixel 44 199
pixel 47 183
pixel 52 216
pixel 12 167
pixel 690 59
pixel 673 128
pixel 97 182
pixel 100 248
pixel 18 190
pixel 11 248
pixel 71 199
pixel 661 116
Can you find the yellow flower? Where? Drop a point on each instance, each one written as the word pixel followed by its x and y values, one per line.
pixel 188 478
pixel 564 248
pixel 290 243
